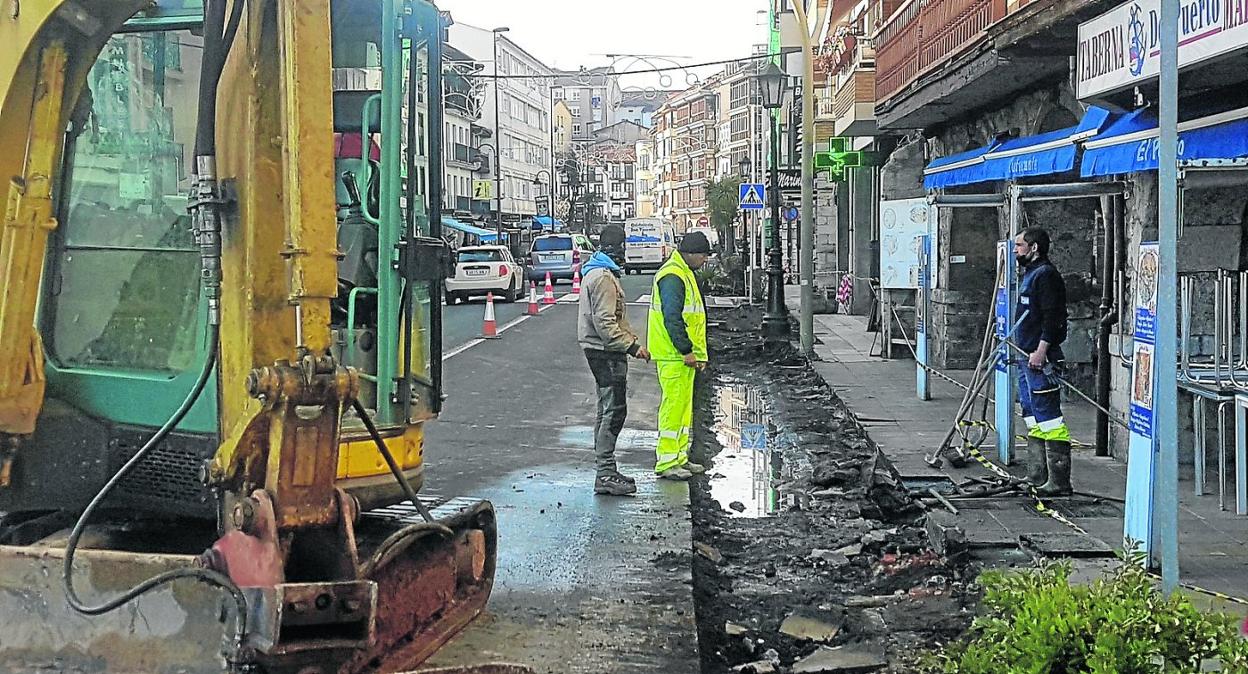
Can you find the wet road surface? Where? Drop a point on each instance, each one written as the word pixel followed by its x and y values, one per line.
pixel 585 583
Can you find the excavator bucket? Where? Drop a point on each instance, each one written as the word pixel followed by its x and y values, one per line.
pixel 429 586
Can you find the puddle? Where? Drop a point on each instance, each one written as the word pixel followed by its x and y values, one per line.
pixel 746 476
pixel 582 437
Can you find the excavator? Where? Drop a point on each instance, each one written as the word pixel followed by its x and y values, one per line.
pixel 220 340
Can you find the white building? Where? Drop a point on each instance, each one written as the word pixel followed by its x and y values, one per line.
pixel 521 137
pixel 647 178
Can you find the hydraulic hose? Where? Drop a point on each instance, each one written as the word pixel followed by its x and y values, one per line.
pixel 201 575
pixel 397 472
pixel 219 35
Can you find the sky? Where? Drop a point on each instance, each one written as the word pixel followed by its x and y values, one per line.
pixel 567 34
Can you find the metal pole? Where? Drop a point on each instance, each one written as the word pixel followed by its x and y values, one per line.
pixel 498 150
pixel 1166 439
pixel 550 191
pixel 776 320
pixel 807 247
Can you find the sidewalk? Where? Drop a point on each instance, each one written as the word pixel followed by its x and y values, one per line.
pixel 1214 544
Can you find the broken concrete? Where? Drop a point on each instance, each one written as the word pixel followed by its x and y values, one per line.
pixel 846 659
pixel 804 627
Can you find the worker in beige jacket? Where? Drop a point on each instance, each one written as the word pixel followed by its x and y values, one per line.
pixel 608 340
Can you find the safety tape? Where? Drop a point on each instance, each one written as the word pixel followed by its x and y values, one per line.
pixel 974 452
pixel 1044 509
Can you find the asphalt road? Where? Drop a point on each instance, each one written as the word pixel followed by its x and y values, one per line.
pixel 585 583
pixel 462 322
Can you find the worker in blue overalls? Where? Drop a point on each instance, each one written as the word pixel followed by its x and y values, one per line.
pixel 1041 318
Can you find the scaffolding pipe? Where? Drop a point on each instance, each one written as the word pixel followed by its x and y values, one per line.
pixel 1070 191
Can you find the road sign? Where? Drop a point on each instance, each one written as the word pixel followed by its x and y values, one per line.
pixel 483 190
pixel 704 221
pixel 753 196
pixel 792 214
pixel 753 436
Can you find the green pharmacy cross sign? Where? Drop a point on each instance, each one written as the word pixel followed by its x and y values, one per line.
pixel 837 158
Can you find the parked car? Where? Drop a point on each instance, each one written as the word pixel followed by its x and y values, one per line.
pixel 485 269
pixel 560 255
pixel 648 244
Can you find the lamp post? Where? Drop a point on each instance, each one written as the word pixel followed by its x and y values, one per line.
pixel 747 233
pixel 498 141
pixel 550 195
pixel 776 321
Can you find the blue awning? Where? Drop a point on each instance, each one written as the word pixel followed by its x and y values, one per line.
pixel 546 222
pixel 484 235
pixel 1040 155
pixel 1131 142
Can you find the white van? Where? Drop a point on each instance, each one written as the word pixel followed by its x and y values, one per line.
pixel 647 243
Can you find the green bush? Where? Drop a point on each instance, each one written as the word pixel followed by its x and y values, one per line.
pixel 1037 622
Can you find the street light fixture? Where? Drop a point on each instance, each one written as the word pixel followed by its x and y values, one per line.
pixel 550 195
pixel 498 137
pixel 771 82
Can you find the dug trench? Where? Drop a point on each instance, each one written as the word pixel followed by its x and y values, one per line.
pixel 809 553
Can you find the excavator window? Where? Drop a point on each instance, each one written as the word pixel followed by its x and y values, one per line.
pixel 123 291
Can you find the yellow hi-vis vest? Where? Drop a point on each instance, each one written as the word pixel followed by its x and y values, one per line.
pixel 660 343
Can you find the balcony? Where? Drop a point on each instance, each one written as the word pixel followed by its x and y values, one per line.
pixel 846 106
pixel 938 59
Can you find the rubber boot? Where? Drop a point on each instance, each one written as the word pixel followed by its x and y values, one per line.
pixel 1059 470
pixel 1037 462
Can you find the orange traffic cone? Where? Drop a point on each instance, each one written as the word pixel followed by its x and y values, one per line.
pixel 490 329
pixel 549 298
pixel 532 298
pixel 576 282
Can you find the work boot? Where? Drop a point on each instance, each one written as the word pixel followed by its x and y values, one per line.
pixel 678 474
pixel 695 468
pixel 1037 462
pixel 614 484
pixel 1058 453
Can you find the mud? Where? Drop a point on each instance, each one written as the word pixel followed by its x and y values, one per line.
pixel 811 523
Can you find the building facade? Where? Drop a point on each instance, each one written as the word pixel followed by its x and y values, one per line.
pixel 593 97
pixel 639 106
pixel 646 178
pixel 685 140
pixel 520 126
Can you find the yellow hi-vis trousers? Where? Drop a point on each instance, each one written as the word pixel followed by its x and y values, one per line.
pixel 675 414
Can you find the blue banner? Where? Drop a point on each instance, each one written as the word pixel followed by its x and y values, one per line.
pixel 1142 445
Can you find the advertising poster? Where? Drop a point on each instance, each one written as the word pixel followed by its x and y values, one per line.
pixel 1142 446
pixel 903 225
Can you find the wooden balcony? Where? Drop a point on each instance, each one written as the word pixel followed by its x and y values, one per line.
pixel 938 59
pixel 924 34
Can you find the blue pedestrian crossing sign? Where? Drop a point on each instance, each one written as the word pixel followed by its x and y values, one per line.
pixel 753 436
pixel 753 196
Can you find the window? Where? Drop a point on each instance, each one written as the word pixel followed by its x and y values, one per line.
pixel 739 127
pixel 558 93
pixel 125 261
pixel 575 110
pixel 481 255
pixel 739 94
pixel 576 129
pixel 576 95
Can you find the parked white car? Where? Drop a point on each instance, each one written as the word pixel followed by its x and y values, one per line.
pixel 485 269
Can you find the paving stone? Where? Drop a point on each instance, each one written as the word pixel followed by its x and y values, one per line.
pixel 852 658
pixel 807 627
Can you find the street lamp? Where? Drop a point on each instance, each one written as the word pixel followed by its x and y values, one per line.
pixel 776 321
pixel 498 138
pixel 550 195
pixel 744 168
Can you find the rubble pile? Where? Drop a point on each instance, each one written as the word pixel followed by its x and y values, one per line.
pixel 838 575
